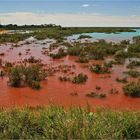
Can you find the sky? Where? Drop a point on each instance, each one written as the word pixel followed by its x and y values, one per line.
pixel 71 12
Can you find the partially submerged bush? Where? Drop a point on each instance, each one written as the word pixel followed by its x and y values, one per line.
pixel 95 95
pixel 80 78
pixel 26 75
pixel 133 64
pixel 61 53
pixel 84 36
pixel 83 59
pixel 74 51
pixel 132 89
pixel 133 73
pixel 120 56
pixel 113 91
pixel 92 94
pixel 64 78
pixel 99 69
pixel 32 59
pixel 122 80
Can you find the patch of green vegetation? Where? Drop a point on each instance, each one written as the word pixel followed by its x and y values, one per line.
pixel 95 95
pixel 26 75
pixel 80 78
pixel 13 38
pixel 134 48
pixel 53 31
pixel 120 56
pixel 122 80
pixel 132 89
pixel 32 59
pixel 133 64
pixel 61 53
pixel 99 69
pixel 74 50
pixel 84 36
pixel 113 91
pixel 83 59
pixel 76 123
pixel 133 73
pixel 64 78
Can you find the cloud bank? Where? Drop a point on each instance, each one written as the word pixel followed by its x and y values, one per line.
pixel 93 19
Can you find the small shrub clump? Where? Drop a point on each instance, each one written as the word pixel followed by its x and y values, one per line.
pixel 61 53
pixel 133 73
pixel 133 64
pixel 64 78
pixel 80 78
pixel 132 89
pixel 26 75
pixel 99 69
pixel 122 80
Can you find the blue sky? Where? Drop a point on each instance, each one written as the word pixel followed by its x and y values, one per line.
pixel 91 8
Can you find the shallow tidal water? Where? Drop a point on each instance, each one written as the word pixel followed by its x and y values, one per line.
pixel 114 37
pixel 55 92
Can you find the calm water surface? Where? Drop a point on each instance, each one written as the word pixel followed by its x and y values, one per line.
pixel 115 37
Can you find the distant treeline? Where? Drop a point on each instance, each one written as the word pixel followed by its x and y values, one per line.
pixel 79 29
pixel 22 27
pixel 55 31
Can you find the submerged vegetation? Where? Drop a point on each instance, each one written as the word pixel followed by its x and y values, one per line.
pixel 26 75
pixel 99 69
pixel 75 123
pixel 80 78
pixel 132 89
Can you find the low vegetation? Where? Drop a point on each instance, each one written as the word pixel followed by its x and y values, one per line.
pixel 133 73
pixel 75 123
pixel 122 80
pixel 84 36
pixel 96 95
pixel 133 64
pixel 26 75
pixel 80 78
pixel 132 89
pixel 99 69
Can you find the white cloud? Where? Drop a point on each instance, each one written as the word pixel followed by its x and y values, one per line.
pixel 85 5
pixel 93 19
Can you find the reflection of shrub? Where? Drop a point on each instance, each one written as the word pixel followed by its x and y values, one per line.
pixel 102 95
pixel 132 89
pixel 80 78
pixel 92 94
pixel 15 76
pixel 35 85
pixel 95 95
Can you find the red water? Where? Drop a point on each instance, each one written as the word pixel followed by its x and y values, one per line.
pixel 55 92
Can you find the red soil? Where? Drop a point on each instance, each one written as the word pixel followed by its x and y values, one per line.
pixel 55 92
